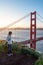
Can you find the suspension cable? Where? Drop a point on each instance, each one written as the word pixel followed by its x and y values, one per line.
pixel 39 15
pixel 39 20
pixel 16 21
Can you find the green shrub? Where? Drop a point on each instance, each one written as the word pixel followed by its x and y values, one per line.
pixel 16 48
pixel 24 51
pixel 37 54
pixel 30 51
pixel 3 48
pixel 39 61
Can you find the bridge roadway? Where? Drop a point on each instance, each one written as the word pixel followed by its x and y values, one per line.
pixel 28 41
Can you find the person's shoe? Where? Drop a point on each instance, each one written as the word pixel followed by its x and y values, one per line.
pixel 10 54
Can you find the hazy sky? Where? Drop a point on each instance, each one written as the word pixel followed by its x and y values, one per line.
pixel 12 10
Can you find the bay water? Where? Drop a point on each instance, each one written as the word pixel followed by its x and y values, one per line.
pixel 22 35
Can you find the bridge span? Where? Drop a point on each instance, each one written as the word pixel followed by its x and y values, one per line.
pixel 29 41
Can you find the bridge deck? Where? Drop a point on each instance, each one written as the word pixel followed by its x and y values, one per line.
pixel 28 41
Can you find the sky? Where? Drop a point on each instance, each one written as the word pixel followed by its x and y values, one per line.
pixel 12 10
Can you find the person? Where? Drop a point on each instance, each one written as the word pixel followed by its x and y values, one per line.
pixel 9 43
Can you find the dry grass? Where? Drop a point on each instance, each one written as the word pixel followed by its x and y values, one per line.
pixel 2 41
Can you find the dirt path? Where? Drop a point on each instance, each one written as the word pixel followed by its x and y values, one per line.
pixel 16 59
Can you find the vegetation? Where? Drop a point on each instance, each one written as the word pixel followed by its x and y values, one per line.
pixel 23 50
pixel 30 51
pixel 39 61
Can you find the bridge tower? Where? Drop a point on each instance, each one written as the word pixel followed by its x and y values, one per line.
pixel 33 30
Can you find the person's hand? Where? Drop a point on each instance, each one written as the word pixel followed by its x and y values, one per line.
pixel 12 42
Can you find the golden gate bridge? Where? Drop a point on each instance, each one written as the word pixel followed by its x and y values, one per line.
pixel 33 38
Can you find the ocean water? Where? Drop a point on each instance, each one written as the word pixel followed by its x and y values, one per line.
pixel 22 35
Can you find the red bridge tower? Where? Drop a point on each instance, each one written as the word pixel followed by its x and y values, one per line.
pixel 33 30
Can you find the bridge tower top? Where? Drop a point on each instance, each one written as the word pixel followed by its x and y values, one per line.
pixel 33 30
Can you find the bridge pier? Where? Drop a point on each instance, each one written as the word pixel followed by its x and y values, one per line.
pixel 33 30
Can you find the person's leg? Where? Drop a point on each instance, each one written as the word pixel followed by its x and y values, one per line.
pixel 10 48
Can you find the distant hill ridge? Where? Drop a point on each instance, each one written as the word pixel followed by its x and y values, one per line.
pixel 20 28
